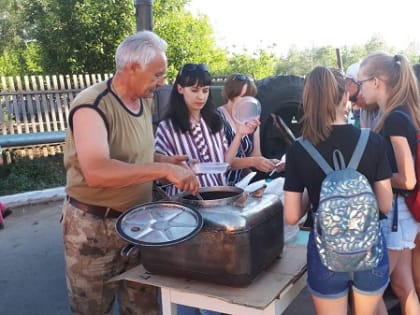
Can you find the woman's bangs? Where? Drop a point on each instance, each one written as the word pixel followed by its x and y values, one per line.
pixel 198 78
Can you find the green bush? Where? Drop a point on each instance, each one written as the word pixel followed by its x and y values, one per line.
pixel 24 174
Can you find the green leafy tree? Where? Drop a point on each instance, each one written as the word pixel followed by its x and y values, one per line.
pixel 13 41
pixel 258 65
pixel 412 52
pixel 296 62
pixel 377 43
pixel 326 56
pixel 75 36
pixel 352 54
pixel 79 36
pixel 11 27
pixel 190 39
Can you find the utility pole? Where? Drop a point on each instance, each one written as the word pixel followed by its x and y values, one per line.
pixel 339 60
pixel 144 14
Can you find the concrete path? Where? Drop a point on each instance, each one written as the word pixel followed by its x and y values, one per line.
pixel 32 278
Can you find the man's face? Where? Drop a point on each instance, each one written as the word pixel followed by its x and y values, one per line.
pixel 148 78
pixel 354 94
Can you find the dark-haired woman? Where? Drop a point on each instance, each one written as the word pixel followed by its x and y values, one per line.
pixel 192 126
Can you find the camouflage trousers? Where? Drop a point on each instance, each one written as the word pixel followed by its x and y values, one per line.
pixel 92 257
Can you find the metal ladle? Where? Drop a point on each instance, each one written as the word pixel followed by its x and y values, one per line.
pixel 165 196
pixel 199 197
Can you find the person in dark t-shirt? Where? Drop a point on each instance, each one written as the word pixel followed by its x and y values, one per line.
pixel 389 81
pixel 325 126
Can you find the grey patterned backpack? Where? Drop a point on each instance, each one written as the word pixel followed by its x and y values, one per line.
pixel 346 223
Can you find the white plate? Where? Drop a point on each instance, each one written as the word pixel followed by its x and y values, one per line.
pixel 245 109
pixel 274 186
pixel 245 181
pixel 255 185
pixel 210 168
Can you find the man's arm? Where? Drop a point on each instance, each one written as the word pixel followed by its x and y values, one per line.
pixel 99 170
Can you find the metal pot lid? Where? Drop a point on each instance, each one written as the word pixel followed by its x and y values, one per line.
pixel 159 223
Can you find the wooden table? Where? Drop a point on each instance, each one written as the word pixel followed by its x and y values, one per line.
pixel 269 294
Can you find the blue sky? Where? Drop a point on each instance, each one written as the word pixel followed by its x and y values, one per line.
pixel 307 23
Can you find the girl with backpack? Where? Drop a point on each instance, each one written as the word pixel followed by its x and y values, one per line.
pixel 326 128
pixel 390 81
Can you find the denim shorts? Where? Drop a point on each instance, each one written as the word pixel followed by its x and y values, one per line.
pixel 407 227
pixel 325 283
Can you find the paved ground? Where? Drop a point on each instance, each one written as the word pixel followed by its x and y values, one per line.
pixel 31 265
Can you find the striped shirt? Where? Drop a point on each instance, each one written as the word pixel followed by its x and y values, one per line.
pixel 198 144
pixel 245 149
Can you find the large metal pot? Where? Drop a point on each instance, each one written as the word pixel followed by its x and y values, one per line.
pixel 236 242
pixel 211 196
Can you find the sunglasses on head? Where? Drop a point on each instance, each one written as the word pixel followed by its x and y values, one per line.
pixel 241 77
pixel 192 67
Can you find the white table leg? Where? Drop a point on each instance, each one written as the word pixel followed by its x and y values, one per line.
pixel 168 308
pixel 170 296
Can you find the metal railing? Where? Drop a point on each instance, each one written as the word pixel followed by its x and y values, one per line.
pixel 34 109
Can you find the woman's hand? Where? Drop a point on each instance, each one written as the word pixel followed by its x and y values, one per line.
pixel 248 128
pixel 279 165
pixel 268 165
pixel 262 164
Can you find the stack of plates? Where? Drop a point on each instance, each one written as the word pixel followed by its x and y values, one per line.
pixel 210 168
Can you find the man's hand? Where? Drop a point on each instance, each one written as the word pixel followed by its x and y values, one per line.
pixel 181 160
pixel 183 178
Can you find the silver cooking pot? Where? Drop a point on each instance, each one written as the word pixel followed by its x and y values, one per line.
pixel 218 239
pixel 211 196
pixel 175 219
pixel 214 196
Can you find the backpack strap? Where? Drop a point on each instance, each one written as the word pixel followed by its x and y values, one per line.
pixel 360 148
pixel 338 158
pixel 316 156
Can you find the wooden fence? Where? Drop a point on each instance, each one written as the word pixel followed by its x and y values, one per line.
pixel 34 109
pixel 31 104
pixel 39 106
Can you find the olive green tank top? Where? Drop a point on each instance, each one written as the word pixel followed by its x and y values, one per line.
pixel 130 138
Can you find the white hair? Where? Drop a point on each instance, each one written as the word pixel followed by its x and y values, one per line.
pixel 140 48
